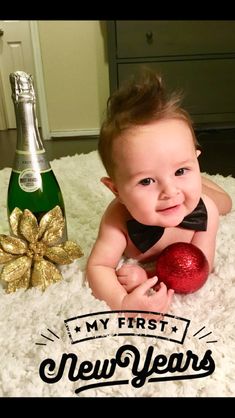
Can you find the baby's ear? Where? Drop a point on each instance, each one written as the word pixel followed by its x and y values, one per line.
pixel 198 152
pixel 108 182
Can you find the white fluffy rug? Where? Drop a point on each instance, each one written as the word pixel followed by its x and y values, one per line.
pixel 34 325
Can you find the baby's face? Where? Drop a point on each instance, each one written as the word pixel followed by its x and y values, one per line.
pixel 157 174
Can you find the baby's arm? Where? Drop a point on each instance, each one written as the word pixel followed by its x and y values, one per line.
pixel 103 280
pixel 206 240
pixel 101 274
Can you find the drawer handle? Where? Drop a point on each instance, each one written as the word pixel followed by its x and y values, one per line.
pixel 149 37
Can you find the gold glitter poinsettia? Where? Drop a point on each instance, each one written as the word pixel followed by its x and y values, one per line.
pixel 30 254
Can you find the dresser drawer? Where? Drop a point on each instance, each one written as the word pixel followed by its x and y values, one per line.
pixel 207 85
pixel 156 38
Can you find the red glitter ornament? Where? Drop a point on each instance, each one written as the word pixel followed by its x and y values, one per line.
pixel 182 267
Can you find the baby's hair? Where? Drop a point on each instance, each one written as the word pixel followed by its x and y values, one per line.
pixel 139 101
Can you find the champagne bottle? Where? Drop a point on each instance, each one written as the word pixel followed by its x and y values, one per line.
pixel 32 184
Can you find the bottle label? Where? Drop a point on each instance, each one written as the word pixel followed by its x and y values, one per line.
pixel 30 180
pixel 25 160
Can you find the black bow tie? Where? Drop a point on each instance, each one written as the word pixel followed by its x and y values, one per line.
pixel 145 236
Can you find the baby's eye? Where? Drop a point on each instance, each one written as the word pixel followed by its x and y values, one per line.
pixel 146 182
pixel 181 171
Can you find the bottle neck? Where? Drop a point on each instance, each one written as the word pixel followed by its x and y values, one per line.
pixel 28 136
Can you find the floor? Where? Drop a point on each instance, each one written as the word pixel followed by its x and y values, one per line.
pixel 218 149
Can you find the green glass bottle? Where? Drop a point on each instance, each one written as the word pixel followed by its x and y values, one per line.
pixel 32 184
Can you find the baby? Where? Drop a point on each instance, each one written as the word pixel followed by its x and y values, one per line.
pixel 150 152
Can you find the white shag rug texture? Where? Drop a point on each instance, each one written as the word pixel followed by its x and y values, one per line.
pixel 33 324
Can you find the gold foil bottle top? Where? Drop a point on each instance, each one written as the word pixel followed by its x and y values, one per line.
pixel 22 87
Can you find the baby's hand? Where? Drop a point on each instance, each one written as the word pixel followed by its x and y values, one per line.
pixel 144 299
pixel 130 276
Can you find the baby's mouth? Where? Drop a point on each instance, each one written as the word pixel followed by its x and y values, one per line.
pixel 169 209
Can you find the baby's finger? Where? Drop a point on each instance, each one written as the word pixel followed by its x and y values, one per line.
pixel 170 294
pixel 122 279
pixel 144 287
pixel 162 289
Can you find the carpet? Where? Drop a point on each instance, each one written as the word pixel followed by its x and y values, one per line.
pixel 65 343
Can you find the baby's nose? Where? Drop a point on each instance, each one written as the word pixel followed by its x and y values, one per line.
pixel 168 190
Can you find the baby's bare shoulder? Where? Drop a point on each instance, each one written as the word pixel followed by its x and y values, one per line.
pixel 115 214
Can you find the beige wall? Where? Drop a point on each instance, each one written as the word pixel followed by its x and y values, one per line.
pixel 75 69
